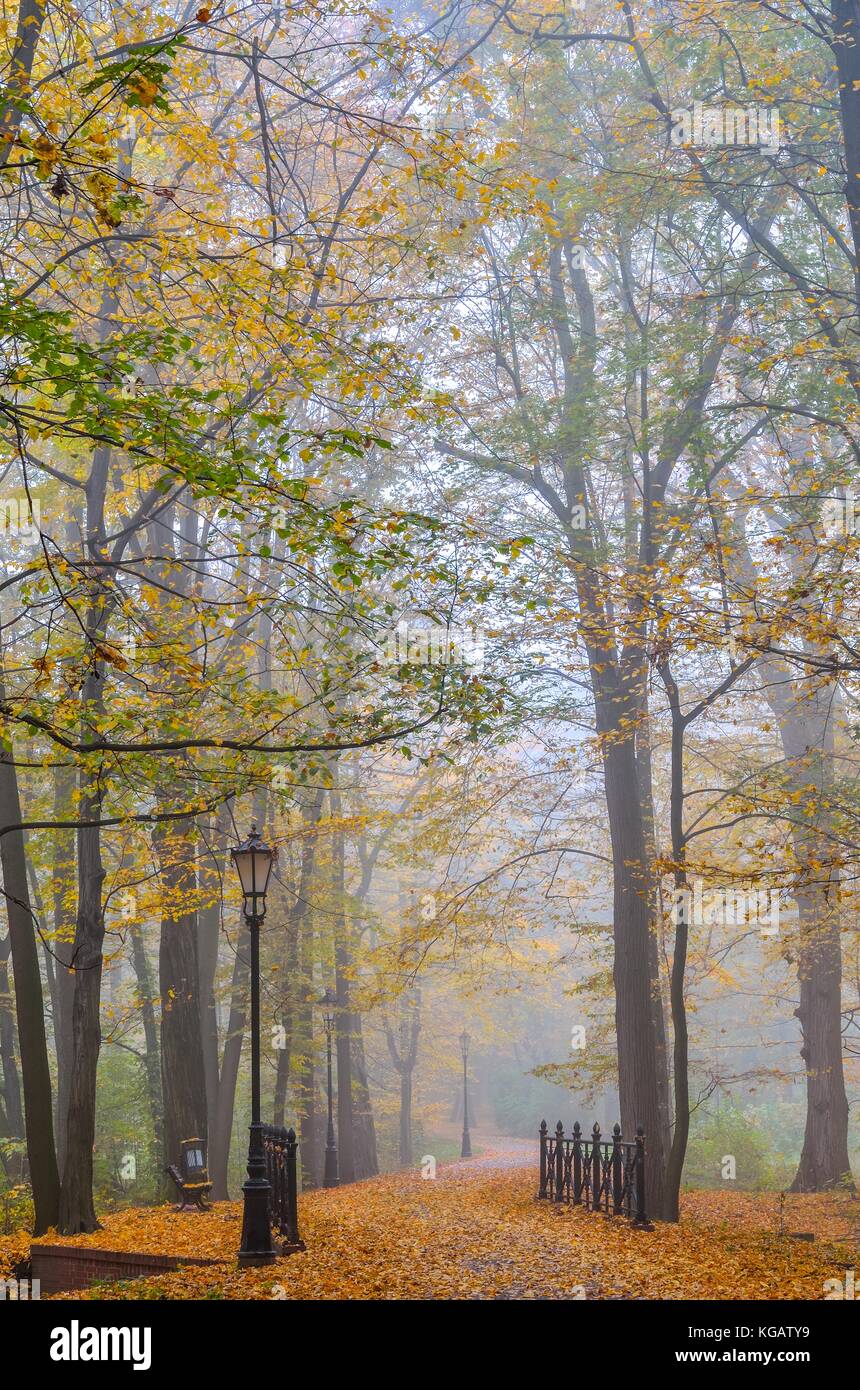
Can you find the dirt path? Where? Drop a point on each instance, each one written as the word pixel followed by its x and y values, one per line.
pixel 494 1152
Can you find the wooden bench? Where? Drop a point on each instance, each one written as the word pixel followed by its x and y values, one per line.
pixel 192 1176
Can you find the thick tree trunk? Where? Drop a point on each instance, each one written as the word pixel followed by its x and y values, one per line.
pixel 824 1160
pixel 807 720
pixel 636 992
pixel 808 740
pixel 182 1071
pixel 29 1003
pixel 77 1210
pixel 63 945
pixel 31 18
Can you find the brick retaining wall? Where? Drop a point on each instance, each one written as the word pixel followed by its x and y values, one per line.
pixel 61 1267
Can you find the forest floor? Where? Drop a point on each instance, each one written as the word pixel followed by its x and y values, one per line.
pixel 476 1231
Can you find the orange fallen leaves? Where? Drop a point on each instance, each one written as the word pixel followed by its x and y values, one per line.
pixel 482 1235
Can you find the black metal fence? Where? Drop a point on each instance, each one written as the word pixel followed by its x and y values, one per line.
pixel 605 1175
pixel 280 1147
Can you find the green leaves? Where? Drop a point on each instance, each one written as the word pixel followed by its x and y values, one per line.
pixel 140 79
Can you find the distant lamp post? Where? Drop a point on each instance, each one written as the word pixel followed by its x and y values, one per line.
pixel 466 1146
pixel 253 860
pixel 330 1174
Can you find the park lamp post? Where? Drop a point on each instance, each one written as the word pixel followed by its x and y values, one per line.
pixel 253 861
pixel 466 1146
pixel 330 1173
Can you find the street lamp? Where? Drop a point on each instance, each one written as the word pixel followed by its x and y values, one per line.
pixel 253 861
pixel 466 1146
pixel 330 1174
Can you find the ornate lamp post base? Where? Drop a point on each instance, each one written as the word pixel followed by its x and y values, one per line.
pixel 330 1173
pixel 257 1247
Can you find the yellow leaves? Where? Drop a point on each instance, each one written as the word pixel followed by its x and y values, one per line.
pixel 101 188
pixel 477 1232
pixel 144 89
pixel 43 665
pixel 46 153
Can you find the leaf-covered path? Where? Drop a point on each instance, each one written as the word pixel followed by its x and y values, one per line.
pixel 476 1231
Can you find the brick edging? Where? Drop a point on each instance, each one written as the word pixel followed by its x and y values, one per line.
pixel 64 1267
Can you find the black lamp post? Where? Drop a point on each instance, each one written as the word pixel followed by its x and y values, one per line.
pixel 466 1147
pixel 330 1173
pixel 253 860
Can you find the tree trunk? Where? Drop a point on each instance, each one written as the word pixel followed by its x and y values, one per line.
pixel 635 990
pixel 366 1156
pixel 681 1057
pixel 8 1064
pixel 808 741
pixel 309 1148
pixel 655 940
pixel 29 1002
pixel 77 1210
pixel 406 1117
pixel 846 50
pixel 182 1071
pixel 824 1161
pixel 11 1113
pixel 63 945
pixel 345 1119
pixel 208 937
pixel 152 1063
pixel 404 1054
pixel 219 1152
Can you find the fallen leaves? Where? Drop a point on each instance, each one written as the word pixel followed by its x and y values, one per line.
pixel 474 1233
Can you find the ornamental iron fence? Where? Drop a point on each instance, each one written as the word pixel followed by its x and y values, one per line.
pixel 606 1175
pixel 280 1148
